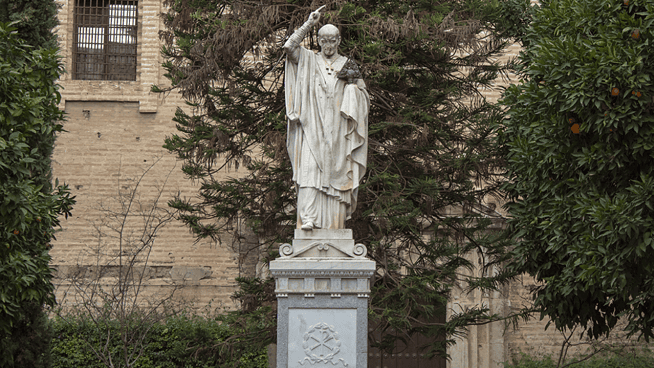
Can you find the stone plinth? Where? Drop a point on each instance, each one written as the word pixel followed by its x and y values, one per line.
pixel 322 287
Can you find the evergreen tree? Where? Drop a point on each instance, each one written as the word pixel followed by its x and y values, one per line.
pixel 579 145
pixel 431 145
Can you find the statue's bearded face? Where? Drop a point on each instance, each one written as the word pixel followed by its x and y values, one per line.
pixel 329 43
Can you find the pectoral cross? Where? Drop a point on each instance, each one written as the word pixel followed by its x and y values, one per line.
pixel 329 67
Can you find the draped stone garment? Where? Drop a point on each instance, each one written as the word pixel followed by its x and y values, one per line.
pixel 327 137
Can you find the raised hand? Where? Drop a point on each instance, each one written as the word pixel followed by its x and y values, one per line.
pixel 314 17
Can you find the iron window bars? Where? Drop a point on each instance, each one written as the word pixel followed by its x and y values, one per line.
pixel 104 44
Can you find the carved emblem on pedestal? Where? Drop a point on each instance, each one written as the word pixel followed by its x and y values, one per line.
pixel 321 345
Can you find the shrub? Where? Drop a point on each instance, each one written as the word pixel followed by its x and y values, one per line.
pixel 28 344
pixel 185 340
pixel 614 361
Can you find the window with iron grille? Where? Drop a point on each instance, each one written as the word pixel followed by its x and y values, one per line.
pixel 104 46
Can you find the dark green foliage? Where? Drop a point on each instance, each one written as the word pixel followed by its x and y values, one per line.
pixel 617 361
pixel 431 150
pixel 29 205
pixel 28 345
pixel 182 341
pixel 33 19
pixel 583 204
pixel 526 361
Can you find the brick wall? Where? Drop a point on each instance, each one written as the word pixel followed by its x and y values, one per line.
pixel 115 131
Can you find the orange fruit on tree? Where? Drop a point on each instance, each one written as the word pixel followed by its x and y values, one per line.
pixel 575 128
pixel 615 91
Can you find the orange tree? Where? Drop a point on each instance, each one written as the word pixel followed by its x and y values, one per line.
pixel 579 145
pixel 33 20
pixel 431 144
pixel 29 204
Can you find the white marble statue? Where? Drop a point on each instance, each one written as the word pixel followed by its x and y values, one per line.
pixel 327 111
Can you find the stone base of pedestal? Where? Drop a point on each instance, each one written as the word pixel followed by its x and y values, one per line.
pixel 322 302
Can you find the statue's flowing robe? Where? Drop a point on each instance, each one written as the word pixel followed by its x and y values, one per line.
pixel 327 137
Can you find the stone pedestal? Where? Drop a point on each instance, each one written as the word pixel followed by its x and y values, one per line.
pixel 322 286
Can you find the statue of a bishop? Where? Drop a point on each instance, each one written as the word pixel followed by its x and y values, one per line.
pixel 327 111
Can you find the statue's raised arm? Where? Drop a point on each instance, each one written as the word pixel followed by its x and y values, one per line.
pixel 293 43
pixel 327 111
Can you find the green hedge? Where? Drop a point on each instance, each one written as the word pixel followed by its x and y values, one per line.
pixel 618 361
pixel 177 342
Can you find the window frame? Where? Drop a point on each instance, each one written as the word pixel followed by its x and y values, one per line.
pixel 105 40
